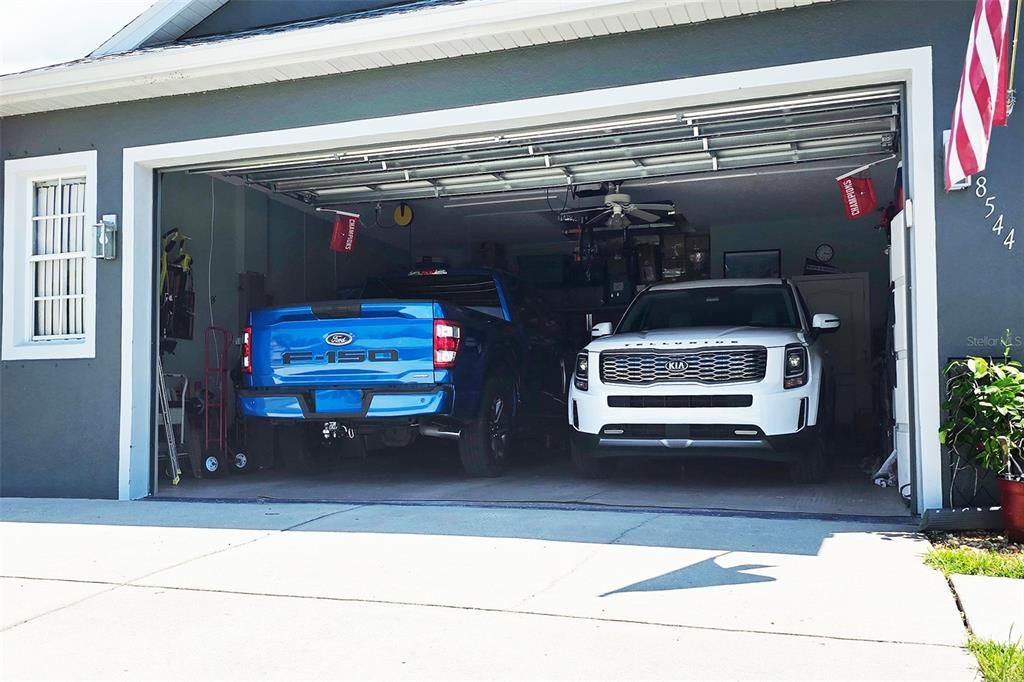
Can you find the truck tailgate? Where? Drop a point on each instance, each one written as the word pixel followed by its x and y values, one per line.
pixel 349 342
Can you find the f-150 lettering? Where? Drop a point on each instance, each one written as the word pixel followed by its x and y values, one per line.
pixel 339 356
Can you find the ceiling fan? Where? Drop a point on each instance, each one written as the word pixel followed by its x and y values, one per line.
pixel 618 211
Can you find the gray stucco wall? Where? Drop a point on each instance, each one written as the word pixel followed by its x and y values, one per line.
pixel 59 419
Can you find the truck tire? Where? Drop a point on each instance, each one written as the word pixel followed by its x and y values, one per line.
pixel 589 466
pixel 808 465
pixel 484 445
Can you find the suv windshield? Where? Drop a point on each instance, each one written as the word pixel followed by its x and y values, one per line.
pixel 477 292
pixel 763 305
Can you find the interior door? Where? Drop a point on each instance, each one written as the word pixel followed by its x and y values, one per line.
pixel 849 348
pixel 900 350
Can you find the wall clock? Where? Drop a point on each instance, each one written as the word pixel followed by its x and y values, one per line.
pixel 824 253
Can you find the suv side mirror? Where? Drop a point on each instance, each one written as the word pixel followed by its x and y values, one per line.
pixel 825 322
pixel 601 329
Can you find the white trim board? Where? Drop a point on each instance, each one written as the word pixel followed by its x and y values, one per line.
pixel 911 67
pixel 426 34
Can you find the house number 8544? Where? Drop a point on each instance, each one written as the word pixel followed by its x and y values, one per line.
pixel 999 226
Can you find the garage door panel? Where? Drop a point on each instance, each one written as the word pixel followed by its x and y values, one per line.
pixel 825 126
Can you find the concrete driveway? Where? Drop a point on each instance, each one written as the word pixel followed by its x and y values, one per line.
pixel 165 590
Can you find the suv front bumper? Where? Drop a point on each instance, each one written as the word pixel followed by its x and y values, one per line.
pixel 759 419
pixel 675 443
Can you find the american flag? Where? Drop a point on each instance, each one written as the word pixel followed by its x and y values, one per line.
pixel 982 99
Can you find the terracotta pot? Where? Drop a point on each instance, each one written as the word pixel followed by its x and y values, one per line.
pixel 1011 497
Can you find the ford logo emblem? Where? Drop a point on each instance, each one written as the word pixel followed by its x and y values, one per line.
pixel 338 339
pixel 676 365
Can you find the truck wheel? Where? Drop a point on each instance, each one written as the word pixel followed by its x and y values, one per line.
pixel 483 447
pixel 809 463
pixel 589 466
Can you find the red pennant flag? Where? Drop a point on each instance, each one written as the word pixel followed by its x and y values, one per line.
pixel 343 238
pixel 858 196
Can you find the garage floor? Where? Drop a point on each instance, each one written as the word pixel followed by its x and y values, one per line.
pixel 431 473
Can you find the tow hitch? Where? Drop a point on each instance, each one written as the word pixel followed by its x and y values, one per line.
pixel 334 430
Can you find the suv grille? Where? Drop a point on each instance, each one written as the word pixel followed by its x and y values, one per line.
pixel 702 366
pixel 680 400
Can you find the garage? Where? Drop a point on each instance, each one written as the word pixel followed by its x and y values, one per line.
pixel 577 218
pixel 233 124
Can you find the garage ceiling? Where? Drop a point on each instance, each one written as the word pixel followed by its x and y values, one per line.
pixel 755 134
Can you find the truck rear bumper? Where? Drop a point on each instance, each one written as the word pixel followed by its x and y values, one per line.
pixel 346 403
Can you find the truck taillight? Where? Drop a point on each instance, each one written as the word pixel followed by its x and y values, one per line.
pixel 247 350
pixel 447 337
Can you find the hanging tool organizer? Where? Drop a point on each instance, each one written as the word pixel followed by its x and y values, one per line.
pixel 177 295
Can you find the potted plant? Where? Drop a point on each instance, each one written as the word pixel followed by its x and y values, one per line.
pixel 985 426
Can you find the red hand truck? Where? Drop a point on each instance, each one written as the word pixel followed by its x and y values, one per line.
pixel 216 343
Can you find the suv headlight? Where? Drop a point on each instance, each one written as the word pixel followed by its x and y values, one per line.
pixel 580 377
pixel 795 373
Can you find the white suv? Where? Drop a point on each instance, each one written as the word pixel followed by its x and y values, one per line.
pixel 722 368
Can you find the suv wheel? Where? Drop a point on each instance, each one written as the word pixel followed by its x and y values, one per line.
pixel 484 445
pixel 587 465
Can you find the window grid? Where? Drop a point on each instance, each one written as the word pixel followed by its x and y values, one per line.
pixel 57 259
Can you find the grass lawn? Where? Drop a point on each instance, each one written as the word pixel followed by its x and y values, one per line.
pixel 998 662
pixel 970 561
pixel 976 553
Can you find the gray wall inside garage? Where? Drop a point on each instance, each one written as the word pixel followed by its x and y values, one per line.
pixel 243 230
pixel 60 419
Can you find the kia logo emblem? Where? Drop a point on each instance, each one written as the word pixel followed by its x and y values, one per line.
pixel 676 365
pixel 338 339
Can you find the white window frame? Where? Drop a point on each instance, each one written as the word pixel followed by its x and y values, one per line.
pixel 20 177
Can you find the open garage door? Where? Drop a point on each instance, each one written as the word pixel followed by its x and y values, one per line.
pixel 550 231
pixel 669 144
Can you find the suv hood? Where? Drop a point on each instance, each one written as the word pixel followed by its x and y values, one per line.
pixel 698 337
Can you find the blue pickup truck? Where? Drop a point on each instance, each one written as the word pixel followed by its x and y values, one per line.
pixel 462 354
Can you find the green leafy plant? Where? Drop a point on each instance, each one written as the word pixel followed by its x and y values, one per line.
pixel 985 408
